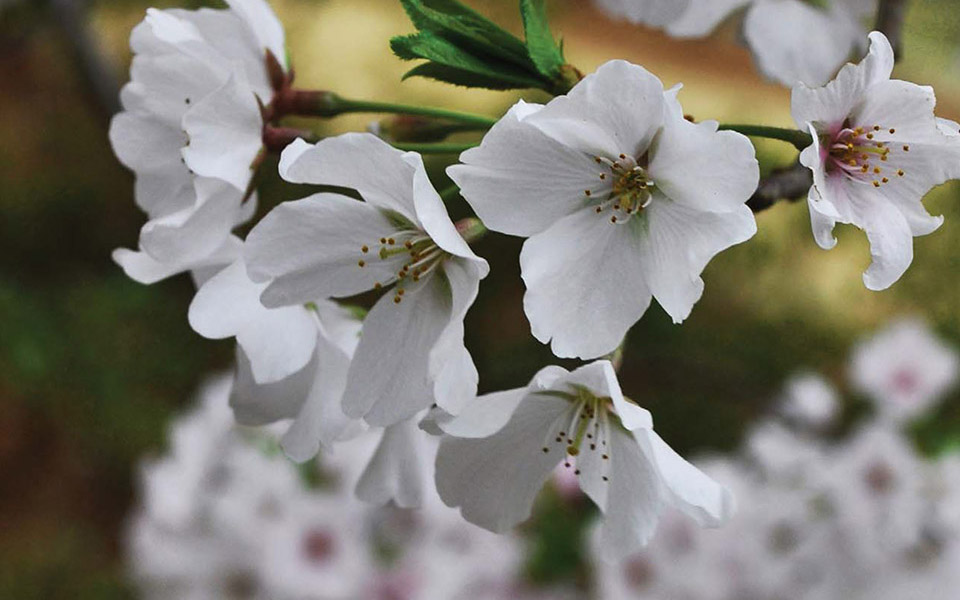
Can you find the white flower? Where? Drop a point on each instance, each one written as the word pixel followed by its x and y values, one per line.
pixel 904 369
pixel 876 487
pixel 799 42
pixel 601 182
pixel 655 13
pixel 316 549
pixel 793 41
pixel 191 129
pixel 411 353
pixel 504 446
pixel 877 150
pixel 811 400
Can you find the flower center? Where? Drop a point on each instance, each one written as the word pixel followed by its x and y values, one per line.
pixel 413 255
pixel 625 188
pixel 318 546
pixel 864 155
pixel 587 430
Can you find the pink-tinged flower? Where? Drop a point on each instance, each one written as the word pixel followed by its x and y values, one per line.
pixel 600 182
pixel 877 150
pixel 904 369
pixel 400 239
pixel 503 447
pixel 191 129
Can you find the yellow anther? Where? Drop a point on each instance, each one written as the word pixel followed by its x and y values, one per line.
pixel 885 180
pixel 365 249
pixel 876 184
pixel 900 172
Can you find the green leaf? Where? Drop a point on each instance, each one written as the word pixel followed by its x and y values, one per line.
pixel 466 28
pixel 441 52
pixel 542 48
pixel 462 78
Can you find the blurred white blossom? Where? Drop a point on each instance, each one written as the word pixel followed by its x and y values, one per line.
pixel 904 369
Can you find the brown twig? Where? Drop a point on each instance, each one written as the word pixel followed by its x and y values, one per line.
pixel 97 72
pixel 890 16
pixel 791 183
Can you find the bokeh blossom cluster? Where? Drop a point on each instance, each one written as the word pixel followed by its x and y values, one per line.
pixel 347 306
pixel 822 515
pixel 862 515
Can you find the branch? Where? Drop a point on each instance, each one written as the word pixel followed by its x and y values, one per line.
pixel 791 183
pixel 96 72
pixel 890 16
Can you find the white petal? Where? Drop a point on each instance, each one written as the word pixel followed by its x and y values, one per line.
pixel 725 163
pixel 233 39
pixel 635 498
pixel 797 43
pixel 396 470
pixel 194 233
pixel 891 241
pixel 321 419
pixel 830 105
pixel 278 341
pixel 143 268
pixel 432 215
pixel 451 367
pixel 585 286
pixel 225 131
pixel 688 488
pixel 494 480
pixel 655 13
pixel 486 415
pixel 617 109
pixel 679 243
pixel 820 220
pixel 256 404
pixel 389 378
pixel 703 16
pixel 311 249
pixel 264 24
pixel 519 181
pixel 359 161
pixel 167 86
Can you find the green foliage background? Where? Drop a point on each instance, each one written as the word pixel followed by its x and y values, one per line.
pixel 92 365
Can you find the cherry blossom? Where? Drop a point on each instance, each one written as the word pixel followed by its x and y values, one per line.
pixel 877 150
pixel 400 241
pixel 191 128
pixel 503 447
pixel 599 181
pixel 904 369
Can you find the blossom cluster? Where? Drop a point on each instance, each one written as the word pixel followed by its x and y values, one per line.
pixel 222 515
pixel 865 516
pixel 620 197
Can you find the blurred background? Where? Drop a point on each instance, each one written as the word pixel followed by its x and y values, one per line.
pixel 93 365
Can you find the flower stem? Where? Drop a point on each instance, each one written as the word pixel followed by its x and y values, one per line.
pixel 308 103
pixel 798 138
pixel 436 148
